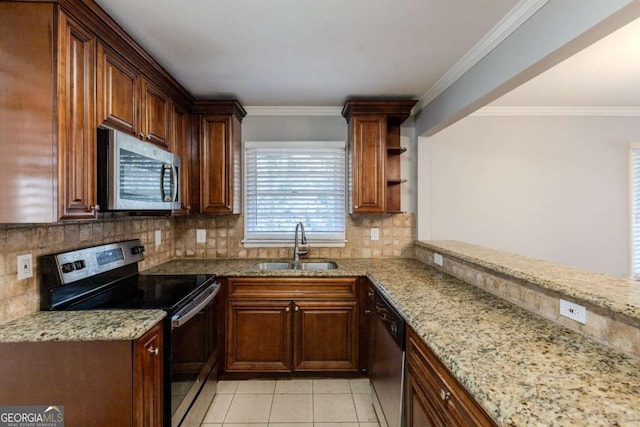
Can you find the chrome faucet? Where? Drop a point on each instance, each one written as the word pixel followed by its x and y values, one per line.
pixel 302 248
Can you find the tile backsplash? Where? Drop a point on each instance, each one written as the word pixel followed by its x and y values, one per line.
pixel 178 240
pixel 20 297
pixel 225 233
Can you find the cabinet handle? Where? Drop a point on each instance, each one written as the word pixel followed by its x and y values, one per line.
pixel 367 312
pixel 297 308
pixel 95 208
pixel 153 350
pixel 148 137
pixel 370 293
pixel 140 135
pixel 286 309
pixel 445 395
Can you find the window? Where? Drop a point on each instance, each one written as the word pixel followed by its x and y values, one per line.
pixel 635 210
pixel 290 182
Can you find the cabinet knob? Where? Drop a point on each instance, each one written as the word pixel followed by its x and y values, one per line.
pixel 153 350
pixel 140 135
pixel 367 312
pixel 148 137
pixel 286 309
pixel 445 395
pixel 95 208
pixel 297 308
pixel 370 293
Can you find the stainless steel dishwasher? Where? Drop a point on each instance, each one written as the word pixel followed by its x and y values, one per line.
pixel 386 363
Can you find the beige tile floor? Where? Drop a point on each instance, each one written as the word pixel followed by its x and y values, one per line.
pixel 292 403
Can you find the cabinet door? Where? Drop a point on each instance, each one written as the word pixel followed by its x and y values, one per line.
pixel 155 110
pixel 367 150
pixel 76 121
pixel 326 335
pixel 420 412
pixel 148 385
pixel 258 336
pixel 117 91
pixel 216 163
pixel 181 145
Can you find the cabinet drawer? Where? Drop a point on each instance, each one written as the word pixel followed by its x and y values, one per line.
pixel 453 402
pixel 292 287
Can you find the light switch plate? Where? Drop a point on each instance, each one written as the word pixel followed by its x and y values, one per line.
pixel 201 235
pixel 437 258
pixel 158 237
pixel 375 234
pixel 573 311
pixel 25 266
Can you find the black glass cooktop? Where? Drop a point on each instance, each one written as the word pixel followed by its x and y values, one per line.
pixel 168 292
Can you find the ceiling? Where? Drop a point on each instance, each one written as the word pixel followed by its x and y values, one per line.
pixel 604 74
pixel 307 52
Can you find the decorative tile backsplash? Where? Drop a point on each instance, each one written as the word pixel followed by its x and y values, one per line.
pixel 20 297
pixel 225 233
pixel 610 328
pixel 178 239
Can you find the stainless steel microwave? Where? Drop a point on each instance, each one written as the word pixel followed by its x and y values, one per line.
pixel 134 175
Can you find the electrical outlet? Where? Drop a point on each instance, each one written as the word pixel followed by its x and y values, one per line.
pixel 573 311
pixel 201 235
pixel 437 258
pixel 375 234
pixel 158 237
pixel 25 266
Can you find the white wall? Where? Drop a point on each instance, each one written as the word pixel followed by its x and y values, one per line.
pixel 554 188
pixel 330 128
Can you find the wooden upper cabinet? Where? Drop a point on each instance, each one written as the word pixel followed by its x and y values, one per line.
pixel 367 149
pixel 117 91
pixel 130 102
pixel 374 149
pixel 219 155
pixel 76 121
pixel 180 144
pixel 155 110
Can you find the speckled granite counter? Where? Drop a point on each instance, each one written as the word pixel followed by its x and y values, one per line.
pixel 522 369
pixel 614 293
pixel 96 325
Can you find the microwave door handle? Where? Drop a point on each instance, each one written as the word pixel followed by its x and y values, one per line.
pixel 174 183
pixel 165 166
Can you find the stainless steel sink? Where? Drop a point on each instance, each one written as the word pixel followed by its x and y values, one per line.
pixel 295 265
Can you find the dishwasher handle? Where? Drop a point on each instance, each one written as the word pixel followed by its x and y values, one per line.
pixel 390 319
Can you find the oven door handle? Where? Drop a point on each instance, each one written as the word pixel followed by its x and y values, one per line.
pixel 184 315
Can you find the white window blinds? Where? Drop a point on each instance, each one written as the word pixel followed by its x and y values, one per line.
pixel 635 210
pixel 291 182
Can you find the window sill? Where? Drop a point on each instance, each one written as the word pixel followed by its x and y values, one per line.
pixel 289 243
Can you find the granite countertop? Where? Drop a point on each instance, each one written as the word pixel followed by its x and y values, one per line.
pixel 614 293
pixel 93 325
pixel 523 369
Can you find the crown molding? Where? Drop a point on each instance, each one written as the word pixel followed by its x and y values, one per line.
pixel 507 25
pixel 559 111
pixel 293 111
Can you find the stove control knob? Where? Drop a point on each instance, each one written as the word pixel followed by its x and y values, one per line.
pixel 68 267
pixel 79 265
pixel 137 250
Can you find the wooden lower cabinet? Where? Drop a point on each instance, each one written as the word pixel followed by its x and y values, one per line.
pixel 433 396
pixel 99 383
pixel 291 325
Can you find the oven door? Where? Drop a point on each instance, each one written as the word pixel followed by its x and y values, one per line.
pixel 193 361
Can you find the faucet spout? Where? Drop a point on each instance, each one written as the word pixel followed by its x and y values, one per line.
pixel 301 248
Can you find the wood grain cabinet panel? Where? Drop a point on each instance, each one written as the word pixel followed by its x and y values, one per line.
pixel 128 101
pixel 258 336
pixel 148 375
pixel 325 335
pixel 434 397
pixel 280 325
pixel 117 98
pixel 99 383
pixel 180 144
pixel 76 118
pixel 374 150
